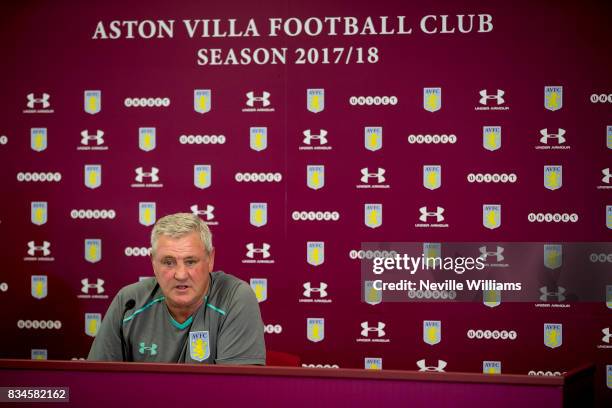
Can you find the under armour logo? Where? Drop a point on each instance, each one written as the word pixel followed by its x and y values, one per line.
pixel 143 348
pixel 98 286
pixel 484 97
pixel 321 290
pixel 437 214
pixel 367 329
pixel 559 136
pixel 252 250
pixel 309 136
pixel 264 98
pixel 607 335
pixel 208 212
pixel 379 175
pixel 32 248
pixel 44 100
pixel 86 137
pixel 423 367
pixel 140 174
pixel 484 254
pixel 606 175
pixel 559 294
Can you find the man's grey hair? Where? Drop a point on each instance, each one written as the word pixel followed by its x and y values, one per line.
pixel 177 226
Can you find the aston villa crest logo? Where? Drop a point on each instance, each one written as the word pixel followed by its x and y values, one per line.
pixel 92 323
pixel 432 331
pixel 92 102
pixel 259 138
pixel 491 367
pixel 432 177
pixel 93 175
pixel 199 345
pixel 38 286
pixel 372 214
pixel 260 287
pixel 371 294
pixel 553 256
pixel 93 250
pixel 315 177
pixel 491 215
pixel 202 175
pixel 491 298
pixel 315 100
pixel 146 138
pixel 315 253
pixel 373 138
pixel 146 214
pixel 491 137
pixel 315 329
pixel 202 100
pixel 38 212
pixel 553 177
pixel 259 214
pixel 553 97
pixel 38 139
pixel 432 99
pixel 553 335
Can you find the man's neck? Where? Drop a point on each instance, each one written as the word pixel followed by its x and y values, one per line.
pixel 182 314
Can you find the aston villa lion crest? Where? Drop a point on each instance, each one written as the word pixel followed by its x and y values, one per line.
pixel 373 138
pixel 315 329
pixel 259 214
pixel 372 214
pixel 199 345
pixel 38 212
pixel 315 100
pixel 147 138
pixel 432 99
pixel 491 216
pixel 202 100
pixel 315 177
pixel 92 102
pixel 38 286
pixel 260 288
pixel 93 250
pixel 92 323
pixel 371 295
pixel 38 139
pixel 553 335
pixel 147 214
pixel 432 177
pixel 202 175
pixel 553 256
pixel 491 137
pixel 93 175
pixel 553 97
pixel 258 138
pixel 432 331
pixel 315 253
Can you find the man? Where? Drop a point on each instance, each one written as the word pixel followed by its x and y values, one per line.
pixel 186 314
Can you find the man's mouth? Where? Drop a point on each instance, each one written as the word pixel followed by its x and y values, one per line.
pixel 181 287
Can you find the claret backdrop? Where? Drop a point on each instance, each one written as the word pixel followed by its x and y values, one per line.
pixel 299 131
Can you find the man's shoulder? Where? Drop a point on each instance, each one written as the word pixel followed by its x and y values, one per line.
pixel 140 291
pixel 227 289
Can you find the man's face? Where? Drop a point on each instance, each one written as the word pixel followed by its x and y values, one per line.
pixel 182 269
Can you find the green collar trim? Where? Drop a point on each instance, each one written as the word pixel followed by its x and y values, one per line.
pixel 142 309
pixel 181 326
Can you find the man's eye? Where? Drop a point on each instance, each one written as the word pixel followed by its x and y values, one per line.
pixel 167 262
pixel 190 262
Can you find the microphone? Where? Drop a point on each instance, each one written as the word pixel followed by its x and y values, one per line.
pixel 128 306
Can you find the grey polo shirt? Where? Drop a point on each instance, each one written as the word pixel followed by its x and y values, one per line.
pixel 226 329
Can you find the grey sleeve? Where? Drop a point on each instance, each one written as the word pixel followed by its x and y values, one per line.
pixel 241 337
pixel 107 343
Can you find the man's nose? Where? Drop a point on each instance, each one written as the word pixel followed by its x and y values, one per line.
pixel 180 272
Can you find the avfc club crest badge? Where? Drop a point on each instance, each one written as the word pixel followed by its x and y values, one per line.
pixel 202 175
pixel 609 216
pixel 259 138
pixel 372 214
pixel 93 175
pixel 372 363
pixel 553 335
pixel 432 177
pixel 553 97
pixel 315 100
pixel 93 250
pixel 609 296
pixel 38 354
pixel 315 329
pixel 92 102
pixel 146 138
pixel 371 295
pixel 259 214
pixel 491 216
pixel 38 139
pixel 491 137
pixel 609 137
pixel 609 376
pixel 38 212
pixel 315 177
pixel 260 287
pixel 553 256
pixel 553 177
pixel 431 250
pixel 146 214
pixel 432 99
pixel 199 345
pixel 315 253
pixel 432 331
pixel 373 138
pixel 92 323
pixel 39 286
pixel 202 100
pixel 491 367
pixel 491 298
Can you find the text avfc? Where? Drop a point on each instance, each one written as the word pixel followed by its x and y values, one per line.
pixel 292 27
